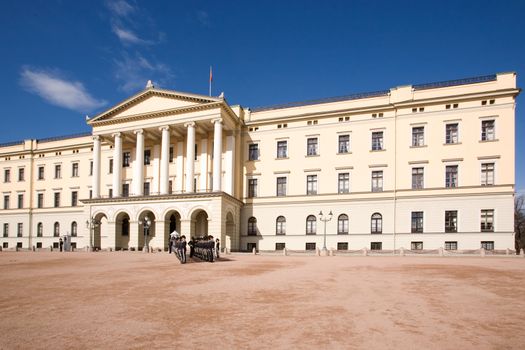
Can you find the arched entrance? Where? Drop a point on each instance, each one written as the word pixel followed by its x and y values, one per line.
pixel 122 231
pixel 145 232
pixel 171 224
pixel 199 223
pixel 101 222
pixel 230 231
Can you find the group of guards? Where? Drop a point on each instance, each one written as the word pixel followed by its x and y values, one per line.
pixel 204 248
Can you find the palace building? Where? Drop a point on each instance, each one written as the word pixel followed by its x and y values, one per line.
pixel 416 167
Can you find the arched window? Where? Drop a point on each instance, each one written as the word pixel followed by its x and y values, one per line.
pixel 56 229
pixel 74 229
pixel 39 230
pixel 376 223
pixel 342 224
pixel 311 225
pixel 125 227
pixel 252 226
pixel 280 225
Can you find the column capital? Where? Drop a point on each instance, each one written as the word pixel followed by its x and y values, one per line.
pixel 164 127
pixel 188 124
pixel 138 131
pixel 96 137
pixel 216 120
pixel 116 134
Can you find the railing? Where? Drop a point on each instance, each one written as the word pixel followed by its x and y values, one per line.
pixel 12 143
pixel 465 81
pixel 65 137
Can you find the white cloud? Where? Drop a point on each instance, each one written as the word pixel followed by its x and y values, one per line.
pixel 120 8
pixel 127 36
pixel 58 91
pixel 204 18
pixel 134 72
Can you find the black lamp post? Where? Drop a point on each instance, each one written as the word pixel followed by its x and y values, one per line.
pixel 325 219
pixel 91 225
pixel 147 225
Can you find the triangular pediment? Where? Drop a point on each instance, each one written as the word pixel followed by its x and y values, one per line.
pixel 152 101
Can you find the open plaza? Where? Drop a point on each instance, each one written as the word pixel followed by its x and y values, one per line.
pixel 131 300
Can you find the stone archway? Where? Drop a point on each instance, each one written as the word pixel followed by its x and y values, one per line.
pixel 171 223
pixel 142 231
pixel 199 223
pixel 122 231
pixel 101 226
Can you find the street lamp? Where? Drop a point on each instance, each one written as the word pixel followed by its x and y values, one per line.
pixel 91 225
pixel 325 219
pixel 147 225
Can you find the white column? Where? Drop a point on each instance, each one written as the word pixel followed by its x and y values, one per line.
pixel 179 183
pixel 96 167
pixel 217 154
pixel 138 165
pixel 164 160
pixel 190 156
pixel 204 164
pixel 117 165
pixel 229 163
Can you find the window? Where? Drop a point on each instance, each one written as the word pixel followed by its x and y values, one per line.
pixel 147 157
pixel 6 230
pixel 451 245
pixel 170 187
pixel 146 188
pixel 56 229
pixel 342 245
pixel 39 230
pixel 376 223
pixel 280 225
pixel 344 144
pixel 281 186
pixel 311 184
pixel 125 190
pixel 90 168
pixel 74 170
pixel 487 174
pixel 377 181
pixel 111 166
pixel 74 229
pixel 74 198
pixel 253 151
pixel 376 245
pixel 487 130
pixel 58 171
pixel 21 174
pixel 20 229
pixel 110 193
pixel 6 202
pixel 90 194
pixel 7 175
pixel 126 159
pixel 417 178
pixel 311 225
pixel 344 183
pixel 312 147
pixel 451 221
pixel 310 246
pixel 487 220
pixel 40 200
pixel 416 245
pixel 418 135
pixel 171 154
pixel 417 222
pixel 20 201
pixel 377 140
pixel 280 246
pixel 342 224
pixel 487 245
pixel 282 149
pixel 252 226
pixel 451 176
pixel 40 173
pixel 57 200
pixel 252 188
pixel 451 133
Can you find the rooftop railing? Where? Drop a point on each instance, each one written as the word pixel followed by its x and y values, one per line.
pixel 65 137
pixel 465 81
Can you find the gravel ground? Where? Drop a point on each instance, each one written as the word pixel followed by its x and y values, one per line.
pixel 126 300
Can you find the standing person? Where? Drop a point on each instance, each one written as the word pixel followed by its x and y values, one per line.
pixel 61 243
pixel 191 243
pixel 182 249
pixel 170 244
pixel 217 248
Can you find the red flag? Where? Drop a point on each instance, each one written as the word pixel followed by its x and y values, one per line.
pixel 211 75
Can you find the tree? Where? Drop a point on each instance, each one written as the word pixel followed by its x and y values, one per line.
pixel 519 223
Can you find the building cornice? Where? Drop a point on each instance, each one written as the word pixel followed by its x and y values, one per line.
pixel 180 196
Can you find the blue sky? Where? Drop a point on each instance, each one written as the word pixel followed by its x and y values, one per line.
pixel 62 60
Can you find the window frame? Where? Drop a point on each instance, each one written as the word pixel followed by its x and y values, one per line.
pixel 282 149
pixel 311 185
pixel 280 226
pixel 252 226
pixel 253 152
pixel 281 184
pixel 343 182
pixel 451 221
pixel 343 146
pixel 418 136
pixel 488 132
pixel 377 181
pixel 417 222
pixel 378 141
pixel 311 225
pixel 343 224
pixel 451 133
pixel 312 146
pixel 451 176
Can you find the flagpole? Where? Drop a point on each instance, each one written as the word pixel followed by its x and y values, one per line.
pixel 211 79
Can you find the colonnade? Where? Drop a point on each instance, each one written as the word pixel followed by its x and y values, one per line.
pixel 138 164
